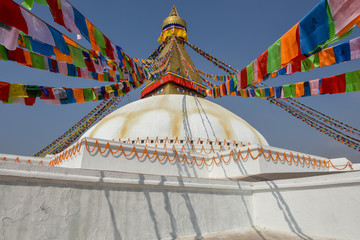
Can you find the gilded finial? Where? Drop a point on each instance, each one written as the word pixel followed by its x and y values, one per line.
pixel 173 12
pixel 174 18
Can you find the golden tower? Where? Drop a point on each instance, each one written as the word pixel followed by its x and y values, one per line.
pixel 179 77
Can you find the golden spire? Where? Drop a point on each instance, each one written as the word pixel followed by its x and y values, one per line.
pixel 179 77
pixel 174 18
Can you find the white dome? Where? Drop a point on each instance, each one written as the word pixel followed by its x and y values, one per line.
pixel 172 116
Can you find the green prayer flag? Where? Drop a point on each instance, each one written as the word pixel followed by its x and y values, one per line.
pixel 274 57
pixel 250 73
pixel 289 90
pixel 103 51
pixel 352 81
pixel 106 77
pixel 3 54
pixel 121 74
pixel 235 81
pixel 42 2
pixel 89 94
pixel 305 65
pixel 99 38
pixel 77 57
pixel 37 61
pixel 258 92
pixel 314 59
pixel 33 90
pixel 28 43
pixel 28 4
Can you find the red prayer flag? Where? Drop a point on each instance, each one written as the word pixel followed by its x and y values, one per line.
pixel 56 11
pixel 17 55
pixel 334 84
pixel 262 64
pixel 243 78
pixel 4 91
pixel 10 14
pixel 109 50
pixel 29 101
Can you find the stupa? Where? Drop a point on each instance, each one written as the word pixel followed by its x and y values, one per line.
pixel 174 165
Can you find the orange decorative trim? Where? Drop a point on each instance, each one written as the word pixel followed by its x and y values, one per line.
pixel 182 158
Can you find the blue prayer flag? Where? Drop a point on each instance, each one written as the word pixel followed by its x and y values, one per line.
pixel 342 52
pixel 59 41
pixel 81 24
pixel 314 28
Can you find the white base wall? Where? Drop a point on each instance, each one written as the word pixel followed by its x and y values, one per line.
pixel 60 203
pixel 327 206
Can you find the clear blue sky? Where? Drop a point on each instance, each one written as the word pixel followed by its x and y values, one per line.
pixel 233 31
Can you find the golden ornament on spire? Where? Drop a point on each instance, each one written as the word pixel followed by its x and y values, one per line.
pixel 174 18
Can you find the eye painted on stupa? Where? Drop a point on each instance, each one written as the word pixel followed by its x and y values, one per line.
pixel 180 90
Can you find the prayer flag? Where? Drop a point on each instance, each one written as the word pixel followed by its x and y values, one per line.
pixel 333 84
pixel 33 91
pixel 17 90
pixel 81 24
pixel 342 52
pixel 11 14
pixel 59 41
pixel 42 48
pixel 68 16
pixel 89 94
pixel 274 57
pixel 262 65
pixel 4 91
pixel 314 86
pixel 355 48
pixel 77 56
pixel 55 8
pixel 70 97
pixel 299 89
pixel 327 57
pixel 314 28
pixel 8 36
pixel 345 13
pixel 250 73
pixel 290 45
pixel 3 53
pixel 79 95
pixel 38 61
pixel 353 81
pixel 37 28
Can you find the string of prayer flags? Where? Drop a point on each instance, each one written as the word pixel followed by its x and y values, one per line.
pixel 347 82
pixel 326 119
pixel 19 93
pixel 340 53
pixel 67 138
pixel 69 17
pixel 336 135
pixel 326 23
pixel 223 66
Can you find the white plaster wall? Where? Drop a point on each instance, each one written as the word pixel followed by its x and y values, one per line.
pixel 325 206
pixel 59 203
